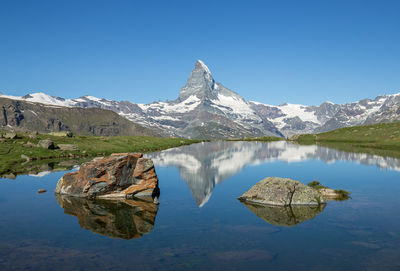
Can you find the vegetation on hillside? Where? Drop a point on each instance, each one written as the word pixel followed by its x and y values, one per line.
pixel 383 136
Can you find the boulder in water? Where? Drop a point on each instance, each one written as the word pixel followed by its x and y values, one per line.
pixel 282 192
pixel 121 175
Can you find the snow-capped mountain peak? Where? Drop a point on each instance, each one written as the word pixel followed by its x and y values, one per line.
pixel 200 83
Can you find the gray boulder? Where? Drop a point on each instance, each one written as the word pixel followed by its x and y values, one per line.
pixel 27 158
pixel 282 192
pixel 11 135
pixel 68 147
pixel 46 144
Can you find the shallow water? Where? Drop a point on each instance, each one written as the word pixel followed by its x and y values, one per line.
pixel 201 225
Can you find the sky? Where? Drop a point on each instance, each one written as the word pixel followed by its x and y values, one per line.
pixel 304 52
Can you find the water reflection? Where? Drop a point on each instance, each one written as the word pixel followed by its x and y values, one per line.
pixel 125 219
pixel 202 166
pixel 41 168
pixel 287 216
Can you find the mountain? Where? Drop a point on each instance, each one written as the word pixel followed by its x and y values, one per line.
pixel 300 119
pixel 32 116
pixel 207 109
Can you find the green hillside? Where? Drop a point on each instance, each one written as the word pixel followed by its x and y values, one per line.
pixel 380 139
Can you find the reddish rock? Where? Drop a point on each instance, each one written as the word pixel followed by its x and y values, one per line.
pixel 121 175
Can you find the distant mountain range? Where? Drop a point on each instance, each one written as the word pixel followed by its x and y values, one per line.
pixel 207 109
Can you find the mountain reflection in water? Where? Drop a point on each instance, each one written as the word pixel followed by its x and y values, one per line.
pixel 287 216
pixel 202 166
pixel 125 219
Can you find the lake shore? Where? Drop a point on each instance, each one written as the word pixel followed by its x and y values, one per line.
pixel 21 154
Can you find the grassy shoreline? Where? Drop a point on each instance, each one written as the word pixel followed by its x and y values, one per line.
pixel 378 139
pixel 384 136
pixel 11 150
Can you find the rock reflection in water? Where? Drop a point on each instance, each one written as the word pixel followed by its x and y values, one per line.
pixel 287 216
pixel 125 219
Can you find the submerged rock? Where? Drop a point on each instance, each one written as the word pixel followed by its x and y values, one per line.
pixel 124 218
pixel 121 175
pixel 287 216
pixel 40 191
pixel 282 192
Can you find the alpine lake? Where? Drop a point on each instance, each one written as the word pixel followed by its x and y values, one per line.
pixel 201 225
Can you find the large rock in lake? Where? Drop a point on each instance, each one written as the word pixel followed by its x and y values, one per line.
pixel 282 192
pixel 121 175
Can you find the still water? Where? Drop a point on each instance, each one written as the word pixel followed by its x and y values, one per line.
pixel 200 224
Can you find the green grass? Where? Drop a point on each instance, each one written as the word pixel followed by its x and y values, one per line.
pixel 383 137
pixel 89 146
pixel 264 138
pixel 316 185
pixel 343 194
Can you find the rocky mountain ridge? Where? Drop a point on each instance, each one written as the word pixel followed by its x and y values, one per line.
pixel 207 109
pixel 24 115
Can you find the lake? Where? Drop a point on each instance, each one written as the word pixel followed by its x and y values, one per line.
pixel 200 224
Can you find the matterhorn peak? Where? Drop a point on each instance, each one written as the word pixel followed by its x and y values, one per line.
pixel 200 65
pixel 200 83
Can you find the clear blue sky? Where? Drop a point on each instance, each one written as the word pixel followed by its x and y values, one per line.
pixel 269 51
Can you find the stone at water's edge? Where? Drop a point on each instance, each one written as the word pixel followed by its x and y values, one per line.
pixel 282 192
pixel 121 175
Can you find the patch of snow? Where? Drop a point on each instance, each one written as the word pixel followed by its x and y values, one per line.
pixel 43 98
pixel 33 112
pixel 234 105
pixel 92 98
pixel 164 118
pixel 185 106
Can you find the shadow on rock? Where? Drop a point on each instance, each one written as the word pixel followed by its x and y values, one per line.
pixel 125 218
pixel 287 216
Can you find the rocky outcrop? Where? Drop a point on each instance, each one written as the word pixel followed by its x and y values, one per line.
pixel 282 192
pixel 124 218
pixel 10 135
pixel 287 216
pixel 68 147
pixel 46 144
pixel 121 175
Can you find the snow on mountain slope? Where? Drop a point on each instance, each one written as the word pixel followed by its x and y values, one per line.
pixel 187 105
pixel 40 97
pixel 234 105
